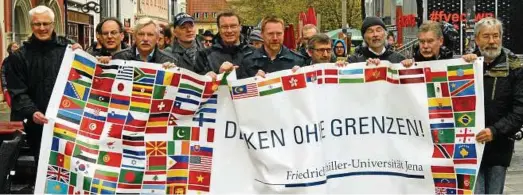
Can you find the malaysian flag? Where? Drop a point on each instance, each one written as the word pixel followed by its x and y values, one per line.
pixel 200 163
pixel 245 91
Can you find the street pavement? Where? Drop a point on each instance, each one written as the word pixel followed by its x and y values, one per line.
pixel 514 181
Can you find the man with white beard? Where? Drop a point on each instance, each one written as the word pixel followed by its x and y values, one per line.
pixel 503 89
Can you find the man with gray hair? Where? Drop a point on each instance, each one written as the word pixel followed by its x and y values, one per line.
pixel 307 32
pixel 145 49
pixel 503 87
pixel 32 73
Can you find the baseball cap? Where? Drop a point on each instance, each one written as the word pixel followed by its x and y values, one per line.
pixel 181 18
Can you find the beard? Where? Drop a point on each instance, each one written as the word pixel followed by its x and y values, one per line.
pixel 490 51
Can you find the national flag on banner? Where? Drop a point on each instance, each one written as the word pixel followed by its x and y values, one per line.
pixel 133 136
pixel 117 116
pixel 76 91
pixel 142 90
pixel 442 169
pixel 330 76
pixel 125 73
pixel 84 64
pixel 375 74
pixel 351 76
pixel 80 77
pixel 465 135
pixel 106 173
pixel 291 82
pixel 69 118
pixel 465 154
pixel 55 187
pixel 103 187
pixel 465 192
pixel 58 174
pixel 270 86
pixel 188 99
pixel 177 176
pixel 88 140
pixel 80 183
pixel 182 108
pixel 65 132
pixel 167 78
pixel 178 147
pixel 133 157
pixel 111 159
pixel 95 112
pixel 205 115
pixel 157 133
pixel 92 126
pixel 461 72
pixel 153 188
pixel 120 102
pixel 210 88
pixel 200 163
pixel 181 133
pixel 443 136
pixel 106 71
pixel 244 91
pixel 144 75
pixel 155 177
pixel 161 92
pixel 465 119
pixel 445 182
pixel 60 160
pixel 408 76
pixel 466 178
pixel 202 134
pixel 445 191
pixel 314 77
pixel 176 189
pixel 72 105
pixel 131 176
pixel 177 162
pixel 393 76
pixel 441 120
pixel 462 88
pixel 125 188
pixel 137 119
pixel 62 146
pixel 443 151
pixel 156 163
pixel 437 90
pixel 439 105
pixel 82 167
pixel 122 87
pixel 100 98
pixel 436 74
pixel 199 178
pixel 85 153
pixel 111 138
pixel 464 104
pixel 158 120
pixel 190 83
pixel 156 148
pixel 103 84
pixel 198 150
pixel 161 106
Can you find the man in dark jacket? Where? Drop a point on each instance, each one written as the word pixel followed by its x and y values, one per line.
pixel 273 56
pixel 33 71
pixel 111 36
pixel 11 48
pixel 145 49
pixel 503 89
pixel 229 47
pixel 186 46
pixel 430 45
pixel 374 33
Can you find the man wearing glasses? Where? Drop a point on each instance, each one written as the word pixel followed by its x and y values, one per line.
pixel 207 39
pixel 230 47
pixel 111 36
pixel 32 73
pixel 319 48
pixel 186 46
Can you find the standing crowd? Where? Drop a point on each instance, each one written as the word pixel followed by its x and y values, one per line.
pixel 30 71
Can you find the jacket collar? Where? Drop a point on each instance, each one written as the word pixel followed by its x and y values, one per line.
pixel 151 56
pixel 283 54
pixel 178 48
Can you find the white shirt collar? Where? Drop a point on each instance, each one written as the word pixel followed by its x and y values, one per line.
pixel 379 54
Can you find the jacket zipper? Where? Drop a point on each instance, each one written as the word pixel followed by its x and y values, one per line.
pixel 494 88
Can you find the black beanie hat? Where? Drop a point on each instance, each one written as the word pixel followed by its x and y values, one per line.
pixel 371 21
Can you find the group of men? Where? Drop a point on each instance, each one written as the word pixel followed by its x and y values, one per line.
pixel 31 71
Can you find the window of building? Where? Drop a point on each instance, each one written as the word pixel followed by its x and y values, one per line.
pixel 196 15
pixel 214 14
pixel 205 15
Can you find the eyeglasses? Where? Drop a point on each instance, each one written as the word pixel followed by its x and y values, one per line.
pixel 44 24
pixel 112 33
pixel 322 50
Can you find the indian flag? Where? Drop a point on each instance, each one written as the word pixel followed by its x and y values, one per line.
pixel 269 87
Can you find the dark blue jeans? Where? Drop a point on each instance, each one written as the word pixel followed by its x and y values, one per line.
pixel 491 180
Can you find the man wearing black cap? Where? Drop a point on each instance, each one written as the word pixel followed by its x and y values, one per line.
pixel 229 46
pixel 374 33
pixel 185 47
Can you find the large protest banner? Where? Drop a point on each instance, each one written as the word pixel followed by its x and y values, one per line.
pixel 134 127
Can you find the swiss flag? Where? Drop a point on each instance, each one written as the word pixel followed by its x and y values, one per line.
pixel 161 106
pixel 296 81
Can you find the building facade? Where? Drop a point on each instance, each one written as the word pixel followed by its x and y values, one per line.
pixel 158 10
pixel 205 12
pixel 82 17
